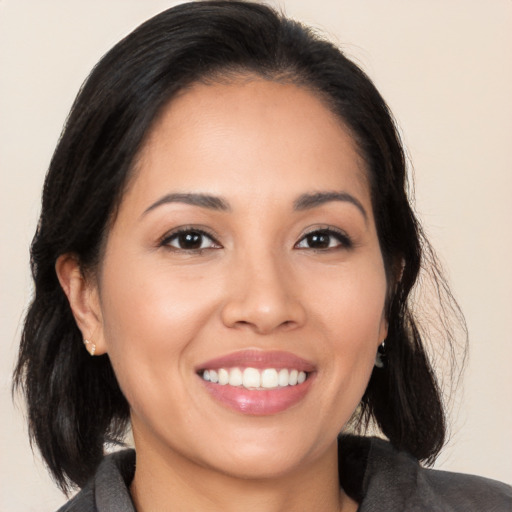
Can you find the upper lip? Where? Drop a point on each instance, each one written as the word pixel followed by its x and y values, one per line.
pixel 259 359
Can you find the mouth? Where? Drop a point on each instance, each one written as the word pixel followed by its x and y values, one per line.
pixel 254 378
pixel 256 382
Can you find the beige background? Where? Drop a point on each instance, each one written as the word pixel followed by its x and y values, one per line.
pixel 444 66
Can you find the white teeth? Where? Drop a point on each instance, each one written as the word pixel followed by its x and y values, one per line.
pixel 235 377
pixel 269 378
pixel 283 377
pixel 223 377
pixel 252 378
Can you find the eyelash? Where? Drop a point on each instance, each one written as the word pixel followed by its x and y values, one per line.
pixel 174 235
pixel 344 241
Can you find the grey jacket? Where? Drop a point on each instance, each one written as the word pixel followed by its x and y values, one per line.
pixel 380 478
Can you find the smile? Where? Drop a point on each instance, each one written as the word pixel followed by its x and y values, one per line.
pixel 254 378
pixel 256 382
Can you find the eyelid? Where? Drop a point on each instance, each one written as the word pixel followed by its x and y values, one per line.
pixel 164 240
pixel 341 235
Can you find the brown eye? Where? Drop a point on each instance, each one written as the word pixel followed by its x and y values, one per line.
pixel 190 240
pixel 318 240
pixel 324 239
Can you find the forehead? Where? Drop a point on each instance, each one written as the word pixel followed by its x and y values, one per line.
pixel 252 134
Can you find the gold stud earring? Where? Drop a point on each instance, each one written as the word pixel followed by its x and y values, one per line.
pixel 90 347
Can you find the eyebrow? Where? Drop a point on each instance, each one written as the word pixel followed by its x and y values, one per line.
pixel 307 201
pixel 303 202
pixel 202 200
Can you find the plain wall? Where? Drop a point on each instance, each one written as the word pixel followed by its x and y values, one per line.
pixel 445 68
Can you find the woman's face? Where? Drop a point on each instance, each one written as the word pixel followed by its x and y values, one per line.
pixel 245 250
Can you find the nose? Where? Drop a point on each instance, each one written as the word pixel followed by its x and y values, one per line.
pixel 262 297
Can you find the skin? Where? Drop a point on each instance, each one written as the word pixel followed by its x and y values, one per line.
pixel 159 310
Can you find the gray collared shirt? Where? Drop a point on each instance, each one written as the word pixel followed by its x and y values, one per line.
pixel 381 478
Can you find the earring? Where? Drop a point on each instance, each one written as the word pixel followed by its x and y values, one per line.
pixel 380 356
pixel 90 347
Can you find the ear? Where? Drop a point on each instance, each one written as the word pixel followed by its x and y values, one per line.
pixel 83 297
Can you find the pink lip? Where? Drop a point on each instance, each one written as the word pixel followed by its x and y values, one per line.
pixel 259 402
pixel 259 359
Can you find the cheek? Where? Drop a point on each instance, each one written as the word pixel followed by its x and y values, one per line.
pixel 150 321
pixel 351 302
pixel 349 310
pixel 153 304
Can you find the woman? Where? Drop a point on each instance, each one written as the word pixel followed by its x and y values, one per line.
pixel 224 259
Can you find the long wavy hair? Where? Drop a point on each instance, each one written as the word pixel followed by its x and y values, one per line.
pixel 75 405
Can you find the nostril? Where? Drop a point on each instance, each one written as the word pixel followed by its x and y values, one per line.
pixel 243 322
pixel 262 309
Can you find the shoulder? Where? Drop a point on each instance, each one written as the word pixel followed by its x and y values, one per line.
pixel 82 502
pixel 392 480
pixel 465 492
pixel 108 490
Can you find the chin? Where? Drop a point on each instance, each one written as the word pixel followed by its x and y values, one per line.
pixel 271 456
pixel 260 467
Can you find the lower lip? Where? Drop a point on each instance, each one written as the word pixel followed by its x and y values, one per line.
pixel 261 402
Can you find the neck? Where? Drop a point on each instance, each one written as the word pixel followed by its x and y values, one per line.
pixel 166 482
